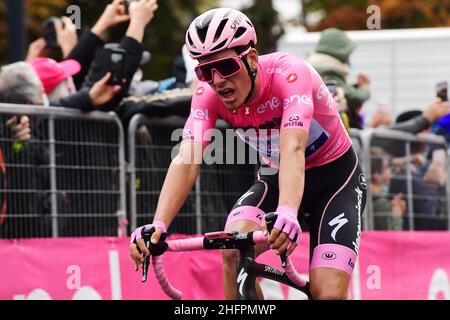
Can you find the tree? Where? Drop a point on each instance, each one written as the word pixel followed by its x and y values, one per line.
pixel 351 15
pixel 265 20
pixel 414 14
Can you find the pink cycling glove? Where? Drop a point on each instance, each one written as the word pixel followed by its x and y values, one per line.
pixel 287 222
pixel 137 234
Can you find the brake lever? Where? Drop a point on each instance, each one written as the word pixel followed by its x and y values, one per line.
pixel 146 235
pixel 155 249
pixel 270 223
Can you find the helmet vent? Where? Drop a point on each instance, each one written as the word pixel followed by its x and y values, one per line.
pixel 201 32
pixel 240 31
pixel 190 41
pixel 219 29
pixel 220 45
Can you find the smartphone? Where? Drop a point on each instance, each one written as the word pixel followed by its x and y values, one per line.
pixel 332 87
pixel 116 65
pixel 49 33
pixel 127 5
pixel 442 90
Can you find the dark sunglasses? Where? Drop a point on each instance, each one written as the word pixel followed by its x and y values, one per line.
pixel 226 67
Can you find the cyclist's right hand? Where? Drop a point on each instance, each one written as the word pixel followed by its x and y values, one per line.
pixel 138 249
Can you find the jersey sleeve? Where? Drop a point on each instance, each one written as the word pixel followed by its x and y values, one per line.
pixel 294 88
pixel 202 118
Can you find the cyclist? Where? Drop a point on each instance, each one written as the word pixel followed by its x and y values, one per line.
pixel 316 168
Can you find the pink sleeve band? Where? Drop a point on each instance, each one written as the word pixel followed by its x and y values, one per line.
pixel 160 224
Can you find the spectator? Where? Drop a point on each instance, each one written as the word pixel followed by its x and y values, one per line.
pixel 66 38
pixel 35 49
pixel 140 14
pixel 189 64
pixel 331 60
pixel 20 84
pixel 19 132
pixel 56 77
pixel 93 39
pixel 436 178
pixel 381 118
pixel 66 35
pixel 415 122
pixel 387 210
pixel 425 201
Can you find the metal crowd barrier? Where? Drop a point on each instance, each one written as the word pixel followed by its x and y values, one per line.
pixel 216 190
pixel 400 165
pixel 69 179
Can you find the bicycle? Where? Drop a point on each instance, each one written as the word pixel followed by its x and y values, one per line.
pixel 247 268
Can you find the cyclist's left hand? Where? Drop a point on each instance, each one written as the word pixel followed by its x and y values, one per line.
pixel 286 231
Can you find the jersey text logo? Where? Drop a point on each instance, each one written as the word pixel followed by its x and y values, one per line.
pixel 200 114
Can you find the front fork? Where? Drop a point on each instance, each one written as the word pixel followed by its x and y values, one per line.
pixel 246 276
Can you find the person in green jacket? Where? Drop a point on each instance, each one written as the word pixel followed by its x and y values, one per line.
pixel 331 60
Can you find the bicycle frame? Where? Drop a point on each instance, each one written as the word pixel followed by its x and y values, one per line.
pixel 247 268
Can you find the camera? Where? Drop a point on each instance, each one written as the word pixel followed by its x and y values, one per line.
pixel 127 5
pixel 109 58
pixel 442 90
pixel 116 64
pixel 49 32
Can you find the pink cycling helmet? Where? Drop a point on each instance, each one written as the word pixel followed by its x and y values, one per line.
pixel 217 30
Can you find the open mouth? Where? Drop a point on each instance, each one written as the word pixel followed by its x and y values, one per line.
pixel 227 95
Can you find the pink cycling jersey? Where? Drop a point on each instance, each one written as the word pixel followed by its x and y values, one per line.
pixel 291 96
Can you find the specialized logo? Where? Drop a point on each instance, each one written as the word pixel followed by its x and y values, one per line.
pixel 362 181
pixel 241 236
pixel 292 77
pixel 273 270
pixel 236 22
pixel 339 222
pixel 200 114
pixel 329 255
pixel 200 91
pixel 241 280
